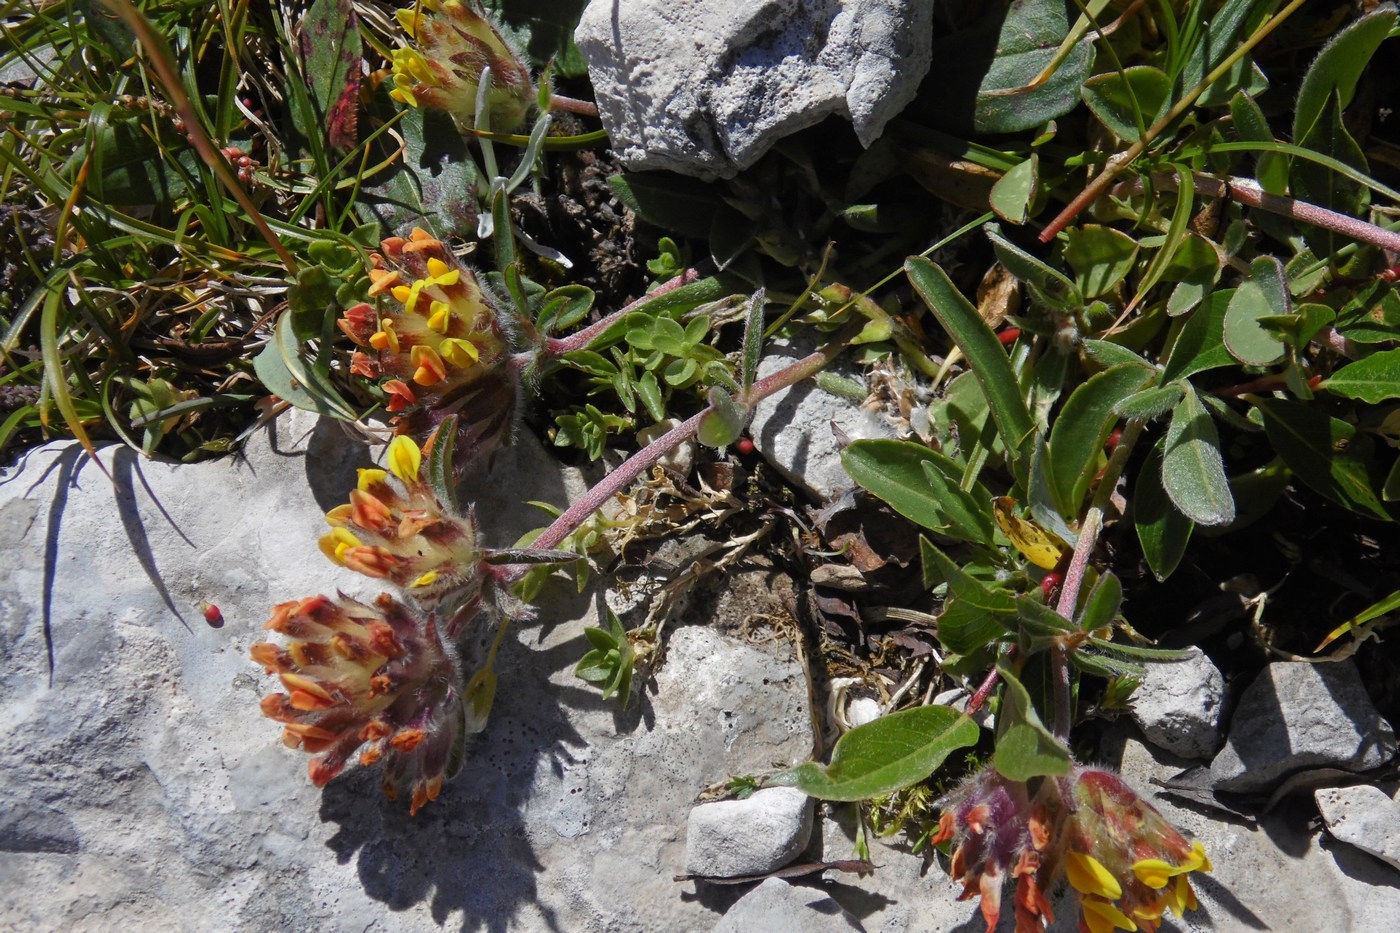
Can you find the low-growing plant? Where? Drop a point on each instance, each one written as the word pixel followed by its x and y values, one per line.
pixel 1217 336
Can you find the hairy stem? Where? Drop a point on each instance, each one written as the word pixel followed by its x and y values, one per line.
pixel 573 105
pixel 1248 192
pixel 643 460
pixel 558 346
pixel 1078 567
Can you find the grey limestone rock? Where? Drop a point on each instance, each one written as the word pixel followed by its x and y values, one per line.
pixel 705 87
pixel 753 836
pixel 1363 816
pixel 793 428
pixel 141 788
pixel 776 906
pixel 1178 706
pixel 1297 715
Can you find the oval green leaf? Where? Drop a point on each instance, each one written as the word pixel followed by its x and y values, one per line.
pixel 882 756
pixel 1192 471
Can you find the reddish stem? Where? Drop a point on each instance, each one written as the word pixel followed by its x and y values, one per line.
pixel 558 346
pixel 643 460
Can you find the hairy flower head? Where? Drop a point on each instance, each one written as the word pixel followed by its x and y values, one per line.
pixel 450 42
pixel 377 680
pixel 1125 861
pixel 395 528
pixel 437 343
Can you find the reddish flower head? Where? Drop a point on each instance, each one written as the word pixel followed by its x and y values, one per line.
pixel 440 345
pixel 1127 863
pixel 373 679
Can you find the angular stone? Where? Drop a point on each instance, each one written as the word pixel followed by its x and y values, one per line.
pixel 753 836
pixel 705 87
pixel 1363 816
pixel 793 428
pixel 1295 716
pixel 1178 704
pixel 775 905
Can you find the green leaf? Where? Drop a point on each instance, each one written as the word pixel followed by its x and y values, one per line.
pixel 1025 748
pixel 983 74
pixel 1045 283
pixel 1100 256
pixel 961 584
pixel 1337 69
pixel 545 29
pixel 984 353
pixel 1036 618
pixel 1082 427
pixel 280 368
pixel 1321 185
pixel 1371 379
pixel 441 477
pixel 1142 652
pixel 1200 346
pixel 885 755
pixel 1013 193
pixel 753 341
pixel 1102 604
pixel 564 307
pixel 333 50
pixel 916 482
pixel 1162 531
pixel 1192 471
pixel 1327 453
pixel 963 628
pixel 722 427
pixel 1128 101
pixel 1149 403
pixel 672 202
pixel 1270 170
pixel 1105 353
pixel 1263 294
pixel 432 184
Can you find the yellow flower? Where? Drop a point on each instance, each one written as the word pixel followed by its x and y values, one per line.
pixel 451 44
pixel 1088 876
pixel 405 459
pixel 1102 917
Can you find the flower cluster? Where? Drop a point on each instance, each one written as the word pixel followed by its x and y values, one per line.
pixel 373 679
pixel 405 535
pixel 442 351
pixel 384 680
pixel 1125 861
pixel 452 43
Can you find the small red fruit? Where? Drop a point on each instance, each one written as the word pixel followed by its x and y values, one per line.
pixel 744 445
pixel 212 615
pixel 1009 336
pixel 1050 585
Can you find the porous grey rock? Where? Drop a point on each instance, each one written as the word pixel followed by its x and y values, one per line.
pixel 141 788
pixel 734 838
pixel 775 905
pixel 793 428
pixel 1178 705
pixel 1363 816
pixel 705 87
pixel 1297 715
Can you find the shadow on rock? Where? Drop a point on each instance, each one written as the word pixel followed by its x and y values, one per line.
pixel 470 851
